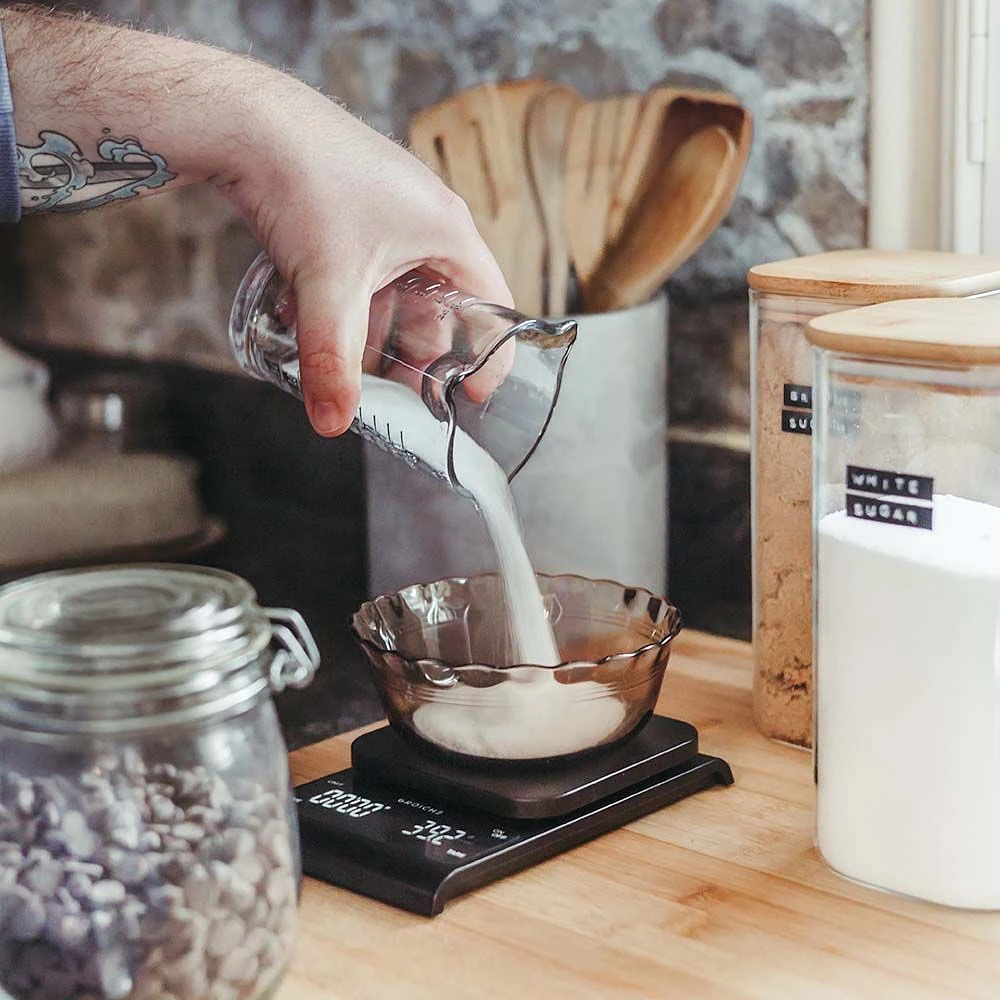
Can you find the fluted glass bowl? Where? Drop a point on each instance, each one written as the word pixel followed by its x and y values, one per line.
pixel 433 648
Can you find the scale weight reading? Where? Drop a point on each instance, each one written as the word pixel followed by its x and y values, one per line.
pixel 376 834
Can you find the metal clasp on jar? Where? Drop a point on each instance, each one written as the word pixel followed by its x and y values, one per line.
pixel 296 659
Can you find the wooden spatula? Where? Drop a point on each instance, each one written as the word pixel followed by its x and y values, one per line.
pixel 525 277
pixel 626 117
pixel 598 135
pixel 647 138
pixel 546 136
pixel 466 140
pixel 662 230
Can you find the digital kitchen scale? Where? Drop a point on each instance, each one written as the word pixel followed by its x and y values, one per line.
pixel 415 830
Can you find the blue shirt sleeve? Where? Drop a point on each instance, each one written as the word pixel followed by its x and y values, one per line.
pixel 10 188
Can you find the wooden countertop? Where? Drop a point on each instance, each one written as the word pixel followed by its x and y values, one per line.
pixel 718 896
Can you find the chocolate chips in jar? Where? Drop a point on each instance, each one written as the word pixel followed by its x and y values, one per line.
pixel 148 847
pixel 104 892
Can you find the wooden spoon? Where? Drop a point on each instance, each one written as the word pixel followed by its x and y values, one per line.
pixel 663 229
pixel 547 132
pixel 667 117
pixel 739 124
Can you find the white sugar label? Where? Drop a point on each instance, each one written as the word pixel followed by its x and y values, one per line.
pixel 893 484
pixel 889 511
pixel 878 495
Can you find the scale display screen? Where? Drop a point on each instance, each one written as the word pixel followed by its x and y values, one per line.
pixel 401 823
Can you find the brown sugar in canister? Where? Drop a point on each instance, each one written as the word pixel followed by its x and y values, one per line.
pixel 784 296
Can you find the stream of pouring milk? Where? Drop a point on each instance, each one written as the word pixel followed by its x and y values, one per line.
pixel 530 714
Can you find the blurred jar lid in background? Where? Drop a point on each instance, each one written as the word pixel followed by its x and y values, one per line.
pixel 28 431
pixel 114 412
pixel 18 369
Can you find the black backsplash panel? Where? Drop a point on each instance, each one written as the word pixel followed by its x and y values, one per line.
pixel 709 575
pixel 294 509
pixel 294 506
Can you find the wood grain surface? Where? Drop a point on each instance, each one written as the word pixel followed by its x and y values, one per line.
pixel 719 896
pixel 963 331
pixel 866 276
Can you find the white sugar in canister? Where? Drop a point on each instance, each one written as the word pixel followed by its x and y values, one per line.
pixel 908 703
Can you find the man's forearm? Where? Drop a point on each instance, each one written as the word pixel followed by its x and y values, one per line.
pixel 104 113
pixel 91 122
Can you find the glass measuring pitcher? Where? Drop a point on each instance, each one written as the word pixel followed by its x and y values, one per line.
pixel 438 364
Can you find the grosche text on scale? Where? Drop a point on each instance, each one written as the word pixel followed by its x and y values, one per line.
pixel 520 705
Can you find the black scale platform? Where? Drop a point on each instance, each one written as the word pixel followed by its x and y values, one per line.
pixel 416 830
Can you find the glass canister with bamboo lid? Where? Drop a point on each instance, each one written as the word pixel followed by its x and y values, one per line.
pixel 784 297
pixel 906 571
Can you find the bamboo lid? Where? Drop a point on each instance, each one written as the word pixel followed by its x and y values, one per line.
pixel 943 331
pixel 866 276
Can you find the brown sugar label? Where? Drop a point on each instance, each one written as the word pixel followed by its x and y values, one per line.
pixel 798 397
pixel 878 495
pixel 796 412
pixel 796 422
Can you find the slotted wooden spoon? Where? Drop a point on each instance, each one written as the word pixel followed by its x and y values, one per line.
pixel 466 140
pixel 550 115
pixel 667 224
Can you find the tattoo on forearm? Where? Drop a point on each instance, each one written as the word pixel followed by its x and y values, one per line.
pixel 56 177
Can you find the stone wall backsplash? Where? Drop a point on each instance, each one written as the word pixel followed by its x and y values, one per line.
pixel 155 278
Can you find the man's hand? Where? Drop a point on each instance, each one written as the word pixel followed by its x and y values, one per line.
pixel 343 211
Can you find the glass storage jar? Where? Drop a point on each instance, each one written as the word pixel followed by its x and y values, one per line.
pixel 784 296
pixel 907 594
pixel 148 844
